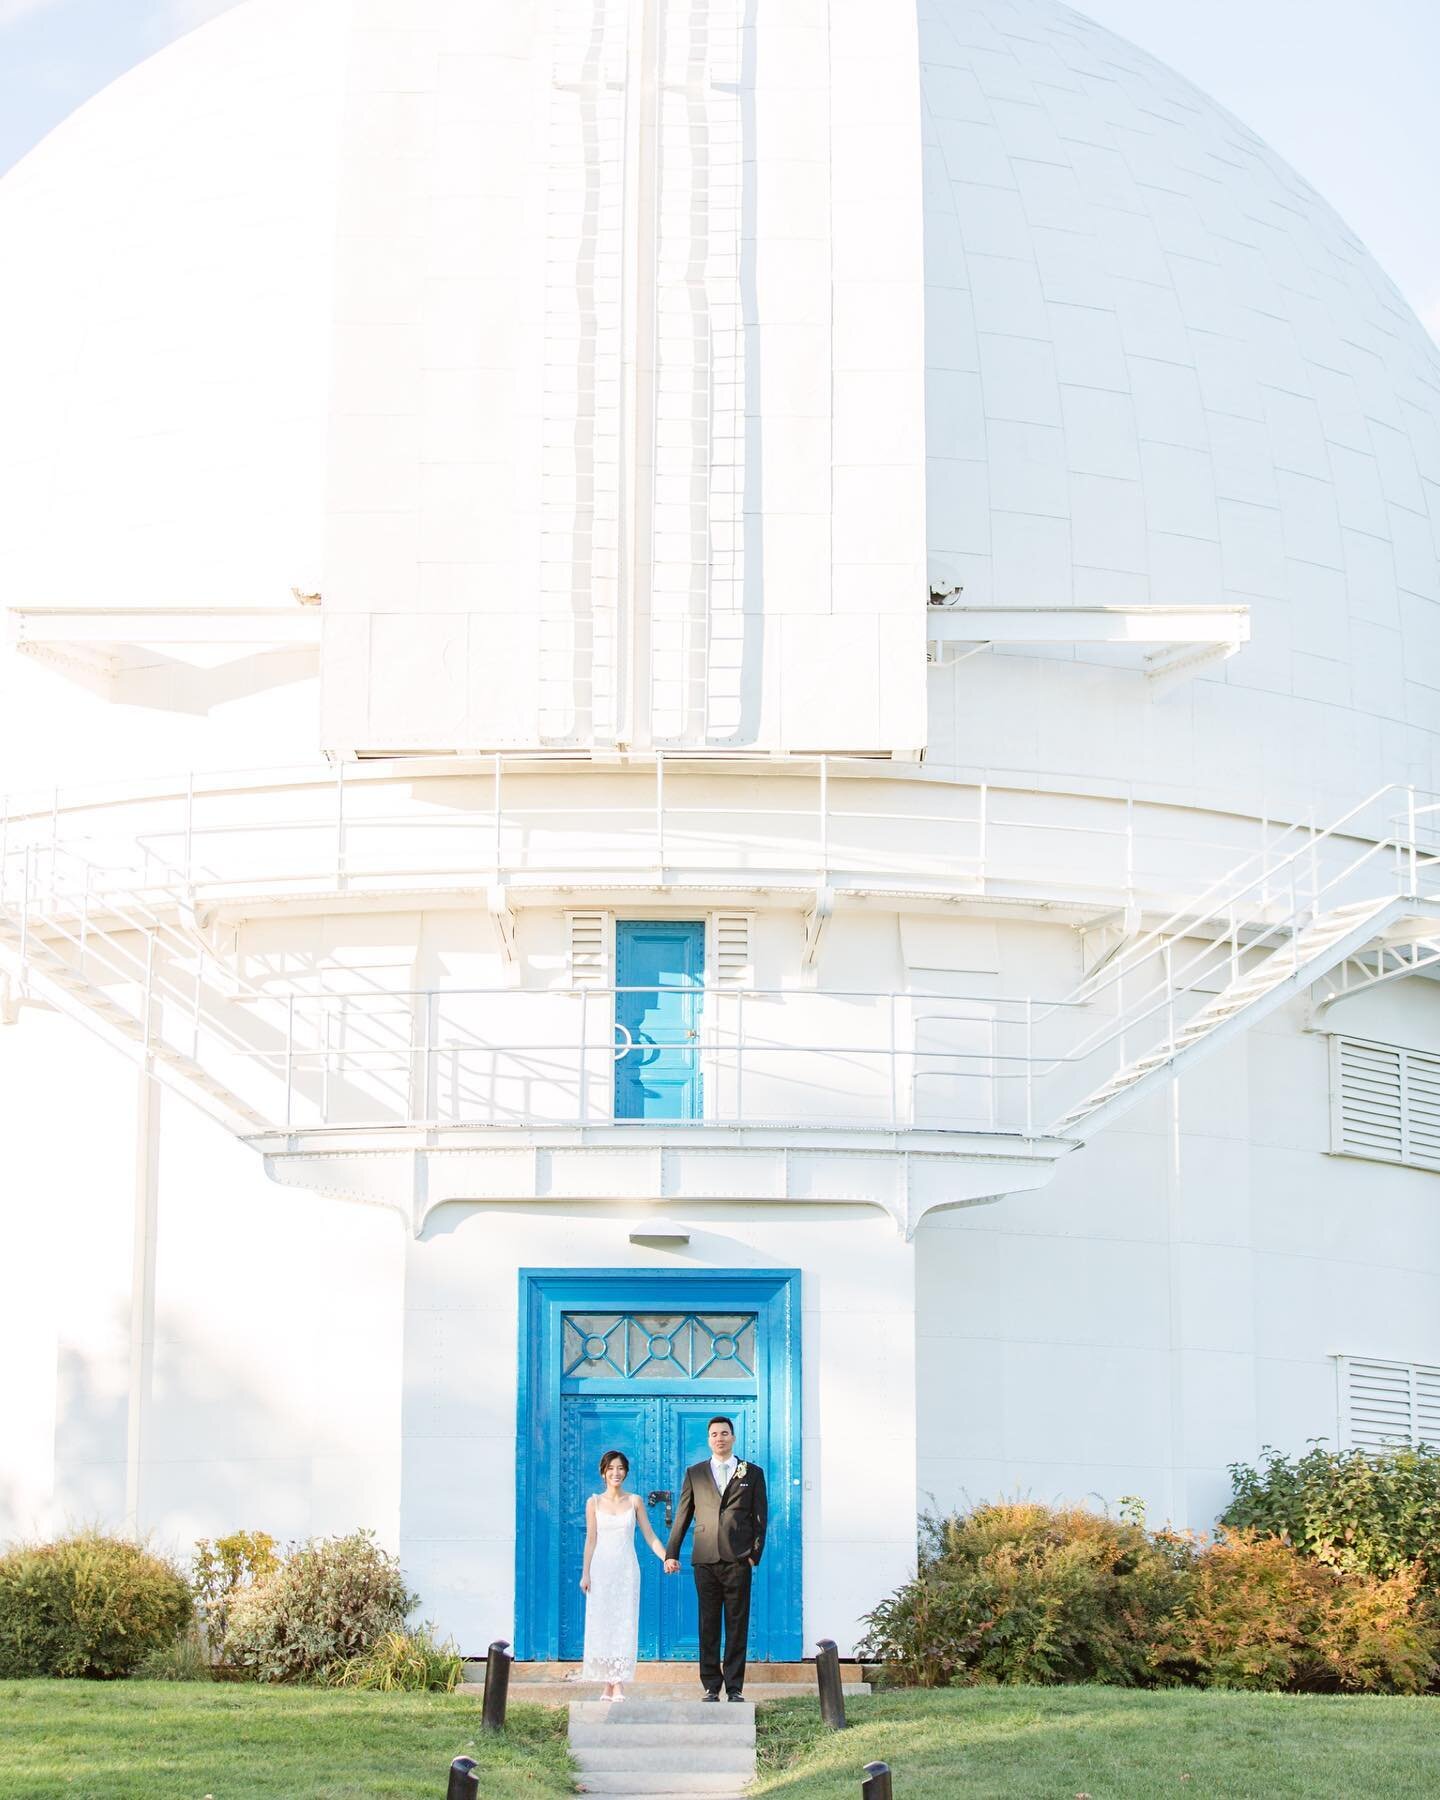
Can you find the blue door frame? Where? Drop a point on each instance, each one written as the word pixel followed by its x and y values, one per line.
pixel 545 1612
pixel 660 981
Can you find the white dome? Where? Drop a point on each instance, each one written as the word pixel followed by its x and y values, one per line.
pixel 1158 369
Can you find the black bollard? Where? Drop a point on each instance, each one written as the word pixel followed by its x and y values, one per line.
pixel 876 1785
pixel 827 1674
pixel 497 1685
pixel 464 1782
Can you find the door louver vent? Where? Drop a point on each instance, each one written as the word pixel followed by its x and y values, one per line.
pixel 732 950
pixel 1388 1403
pixel 589 948
pixel 1386 1102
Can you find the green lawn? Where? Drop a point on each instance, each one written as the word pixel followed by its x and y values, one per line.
pixel 171 1740
pixel 134 1740
pixel 1109 1744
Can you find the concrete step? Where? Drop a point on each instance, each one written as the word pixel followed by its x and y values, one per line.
pixel 601 1734
pixel 665 1759
pixel 728 1720
pixel 626 1782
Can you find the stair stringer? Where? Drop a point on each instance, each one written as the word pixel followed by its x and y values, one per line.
pixel 119 1029
pixel 1081 1124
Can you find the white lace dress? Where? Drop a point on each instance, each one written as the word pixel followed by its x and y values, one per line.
pixel 612 1607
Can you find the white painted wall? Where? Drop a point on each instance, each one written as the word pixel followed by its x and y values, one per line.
pixel 857 1300
pixel 1175 1300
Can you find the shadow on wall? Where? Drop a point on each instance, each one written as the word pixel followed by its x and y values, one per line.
pixel 220 1448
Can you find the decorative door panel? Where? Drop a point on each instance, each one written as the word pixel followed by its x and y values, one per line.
pixel 659 972
pixel 684 1427
pixel 591 1424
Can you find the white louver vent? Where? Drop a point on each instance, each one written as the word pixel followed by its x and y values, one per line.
pixel 1388 1403
pixel 732 951
pixel 1385 1102
pixel 589 938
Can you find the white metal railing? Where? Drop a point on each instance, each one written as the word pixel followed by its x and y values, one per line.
pixel 507 821
pixel 305 1058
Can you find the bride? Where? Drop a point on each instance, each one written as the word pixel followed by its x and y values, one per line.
pixel 610 1579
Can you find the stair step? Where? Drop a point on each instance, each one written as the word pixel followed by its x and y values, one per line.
pixel 626 1781
pixel 586 1734
pixel 736 1719
pixel 665 1759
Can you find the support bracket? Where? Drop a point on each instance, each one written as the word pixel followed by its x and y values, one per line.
pixel 498 899
pixel 816 919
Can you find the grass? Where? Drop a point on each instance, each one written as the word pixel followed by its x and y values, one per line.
pixel 1107 1744
pixel 170 1740
pixel 167 1740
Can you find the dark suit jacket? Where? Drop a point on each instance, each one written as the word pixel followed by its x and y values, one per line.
pixel 728 1530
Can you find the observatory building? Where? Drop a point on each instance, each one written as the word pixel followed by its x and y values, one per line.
pixel 707 705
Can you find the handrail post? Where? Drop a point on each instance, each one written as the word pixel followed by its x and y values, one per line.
pixel 149 992
pixel 25 876
pixel 827 1678
pixel 499 816
pixel 1029 1065
pixel 1130 847
pixel 340 826
pixel 894 1072
pixel 1410 836
pixel 877 1785
pixel 195 1009
pixel 582 1099
pixel 824 817
pixel 427 1091
pixel 740 1057
pixel 189 829
pixel 497 1685
pixel 982 871
pixel 660 813
pixel 1169 965
pixel 289 1056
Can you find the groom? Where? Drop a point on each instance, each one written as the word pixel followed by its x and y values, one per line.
pixel 726 1499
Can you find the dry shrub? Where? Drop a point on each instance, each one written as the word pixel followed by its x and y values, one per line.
pixel 329 1601
pixel 1259 1614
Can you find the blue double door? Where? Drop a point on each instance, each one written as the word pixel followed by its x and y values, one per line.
pixel 661 1435
pixel 660 983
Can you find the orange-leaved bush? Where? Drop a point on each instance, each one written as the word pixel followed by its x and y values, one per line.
pixel 1260 1614
pixel 1018 1592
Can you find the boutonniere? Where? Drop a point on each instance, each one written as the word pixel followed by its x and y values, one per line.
pixel 740 1471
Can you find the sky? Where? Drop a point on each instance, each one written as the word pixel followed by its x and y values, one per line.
pixel 1346 92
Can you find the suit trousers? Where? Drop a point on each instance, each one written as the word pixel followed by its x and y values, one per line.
pixel 723 1587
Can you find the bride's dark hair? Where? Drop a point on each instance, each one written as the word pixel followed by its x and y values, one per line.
pixel 613 1456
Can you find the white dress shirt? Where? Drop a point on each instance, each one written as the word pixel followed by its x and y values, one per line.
pixel 722 1471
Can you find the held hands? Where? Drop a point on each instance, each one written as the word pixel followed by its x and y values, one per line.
pixel 672 1564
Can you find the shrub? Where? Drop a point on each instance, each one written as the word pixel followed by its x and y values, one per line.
pixel 87 1605
pixel 330 1600
pixel 1026 1593
pixel 227 1567
pixel 185 1659
pixel 1374 1512
pixel 1259 1614
pixel 408 1661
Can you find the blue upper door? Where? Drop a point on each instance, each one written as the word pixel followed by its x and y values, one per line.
pixel 660 978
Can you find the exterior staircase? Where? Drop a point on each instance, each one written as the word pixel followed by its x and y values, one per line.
pixel 648 1749
pixel 1304 957
pixel 106 958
